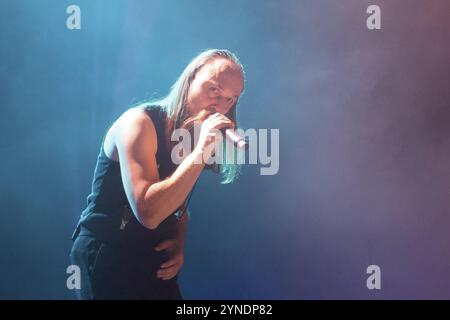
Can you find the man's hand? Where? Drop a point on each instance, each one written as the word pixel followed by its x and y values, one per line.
pixel 170 268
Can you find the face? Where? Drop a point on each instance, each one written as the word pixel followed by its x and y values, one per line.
pixel 216 87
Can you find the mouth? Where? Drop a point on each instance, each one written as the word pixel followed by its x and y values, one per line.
pixel 212 108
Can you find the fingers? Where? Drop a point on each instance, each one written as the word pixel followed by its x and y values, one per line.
pixel 167 273
pixel 210 131
pixel 170 268
pixel 164 245
pixel 169 263
pixel 220 121
pixel 226 124
pixel 217 116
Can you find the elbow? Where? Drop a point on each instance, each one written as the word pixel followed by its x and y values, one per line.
pixel 151 224
pixel 152 209
pixel 148 222
pixel 148 218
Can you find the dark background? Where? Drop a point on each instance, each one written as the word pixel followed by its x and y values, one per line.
pixel 364 120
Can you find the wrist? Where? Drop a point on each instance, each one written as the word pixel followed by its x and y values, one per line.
pixel 197 155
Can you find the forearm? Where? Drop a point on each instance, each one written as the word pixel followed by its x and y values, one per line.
pixel 163 198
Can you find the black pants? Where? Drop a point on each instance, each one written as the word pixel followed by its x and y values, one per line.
pixel 112 272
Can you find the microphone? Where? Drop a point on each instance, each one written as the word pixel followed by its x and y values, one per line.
pixel 236 139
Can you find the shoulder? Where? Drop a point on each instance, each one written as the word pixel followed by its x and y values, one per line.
pixel 133 125
pixel 136 118
pixel 134 114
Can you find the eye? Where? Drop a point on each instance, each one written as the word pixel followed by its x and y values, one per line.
pixel 214 89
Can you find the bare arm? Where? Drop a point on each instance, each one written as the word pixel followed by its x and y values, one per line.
pixel 151 200
pixel 164 197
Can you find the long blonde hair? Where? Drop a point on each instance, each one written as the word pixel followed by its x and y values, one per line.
pixel 174 104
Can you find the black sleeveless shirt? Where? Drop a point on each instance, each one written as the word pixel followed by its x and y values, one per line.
pixel 108 215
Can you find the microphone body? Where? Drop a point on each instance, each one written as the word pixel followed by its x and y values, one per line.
pixel 236 139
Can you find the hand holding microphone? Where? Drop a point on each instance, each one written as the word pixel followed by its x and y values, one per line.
pixel 212 126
